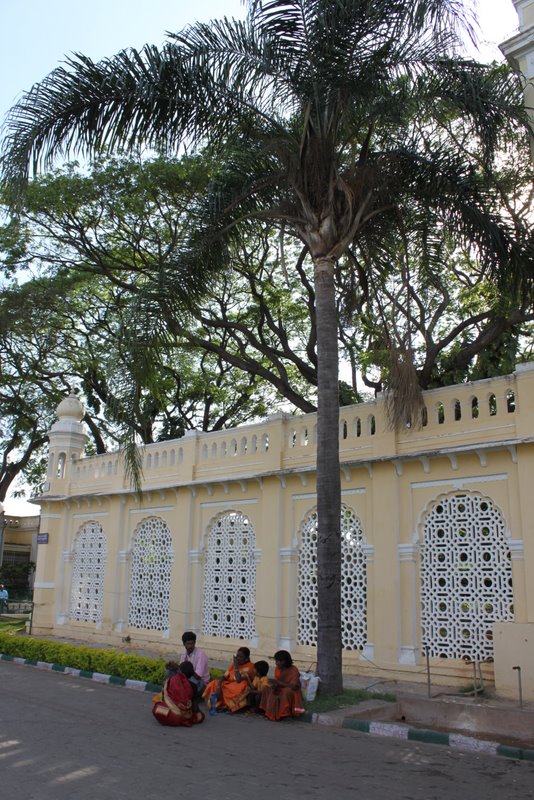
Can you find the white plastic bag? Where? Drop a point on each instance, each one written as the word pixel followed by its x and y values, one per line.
pixel 311 689
pixel 309 683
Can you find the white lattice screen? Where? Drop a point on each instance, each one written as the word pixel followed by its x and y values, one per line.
pixel 229 606
pixel 353 582
pixel 89 561
pixel 466 577
pixel 150 576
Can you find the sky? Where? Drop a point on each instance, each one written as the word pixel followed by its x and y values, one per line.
pixel 36 35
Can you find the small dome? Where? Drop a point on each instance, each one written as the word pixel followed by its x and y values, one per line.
pixel 70 408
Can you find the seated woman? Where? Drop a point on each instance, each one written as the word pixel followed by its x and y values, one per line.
pixel 177 704
pixel 187 669
pixel 233 688
pixel 282 697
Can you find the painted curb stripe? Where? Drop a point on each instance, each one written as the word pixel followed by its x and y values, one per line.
pixel 455 740
pixel 117 681
pixel 434 737
pixel 99 677
pixel 515 752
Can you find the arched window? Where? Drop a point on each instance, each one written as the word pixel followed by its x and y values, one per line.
pixel 150 576
pixel 229 606
pixel 61 463
pixel 466 577
pixel 89 561
pixel 353 582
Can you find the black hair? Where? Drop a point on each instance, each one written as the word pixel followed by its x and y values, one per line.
pixel 189 636
pixel 283 655
pixel 187 668
pixel 245 651
pixel 262 668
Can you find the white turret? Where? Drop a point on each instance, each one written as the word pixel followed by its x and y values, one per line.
pixel 67 440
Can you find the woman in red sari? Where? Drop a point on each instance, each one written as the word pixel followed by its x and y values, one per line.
pixel 176 705
pixel 283 697
pixel 233 688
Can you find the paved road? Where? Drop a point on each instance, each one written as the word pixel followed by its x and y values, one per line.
pixel 63 738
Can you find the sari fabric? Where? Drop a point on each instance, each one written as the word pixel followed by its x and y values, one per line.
pixel 176 704
pixel 283 701
pixel 233 692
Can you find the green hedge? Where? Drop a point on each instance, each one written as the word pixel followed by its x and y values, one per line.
pixel 108 662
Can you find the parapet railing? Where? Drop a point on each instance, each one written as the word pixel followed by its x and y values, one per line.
pixel 462 416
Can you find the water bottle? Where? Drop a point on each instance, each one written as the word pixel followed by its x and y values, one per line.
pixel 213 704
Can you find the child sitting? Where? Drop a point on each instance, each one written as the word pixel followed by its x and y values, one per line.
pixel 256 684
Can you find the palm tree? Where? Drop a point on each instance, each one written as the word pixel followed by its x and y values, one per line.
pixel 342 121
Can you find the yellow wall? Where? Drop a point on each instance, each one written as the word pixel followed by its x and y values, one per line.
pixel 267 472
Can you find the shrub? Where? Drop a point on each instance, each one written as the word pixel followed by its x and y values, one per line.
pixel 108 662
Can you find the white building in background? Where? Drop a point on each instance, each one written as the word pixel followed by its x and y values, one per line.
pixel 519 50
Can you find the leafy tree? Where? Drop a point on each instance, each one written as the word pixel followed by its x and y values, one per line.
pixel 330 119
pixel 85 341
pixel 17 577
pixel 120 222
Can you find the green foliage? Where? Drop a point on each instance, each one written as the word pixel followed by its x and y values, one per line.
pixel 356 128
pixel 107 662
pixel 12 625
pixel 15 577
pixel 329 701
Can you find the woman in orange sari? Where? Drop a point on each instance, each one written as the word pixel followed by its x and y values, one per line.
pixel 283 696
pixel 233 688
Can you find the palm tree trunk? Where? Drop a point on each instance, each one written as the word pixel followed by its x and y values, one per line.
pixel 328 481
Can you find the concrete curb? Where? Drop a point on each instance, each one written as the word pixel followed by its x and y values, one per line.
pixel 99 677
pixel 333 720
pixel 398 731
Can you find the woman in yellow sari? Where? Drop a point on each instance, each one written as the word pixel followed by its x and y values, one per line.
pixel 233 688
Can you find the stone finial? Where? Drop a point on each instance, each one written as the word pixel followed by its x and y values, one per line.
pixel 70 408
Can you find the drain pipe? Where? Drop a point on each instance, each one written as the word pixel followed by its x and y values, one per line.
pixel 427 652
pixel 480 676
pixel 519 686
pixel 475 686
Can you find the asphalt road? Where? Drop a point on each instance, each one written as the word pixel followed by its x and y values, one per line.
pixel 64 737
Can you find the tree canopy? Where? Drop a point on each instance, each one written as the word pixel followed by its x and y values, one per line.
pixel 350 125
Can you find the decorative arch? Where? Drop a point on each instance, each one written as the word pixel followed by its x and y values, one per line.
pixel 87 584
pixel 229 602
pixel 150 575
pixel 353 582
pixel 61 465
pixel 466 576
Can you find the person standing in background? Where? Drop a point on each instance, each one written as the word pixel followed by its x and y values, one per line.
pixel 4 597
